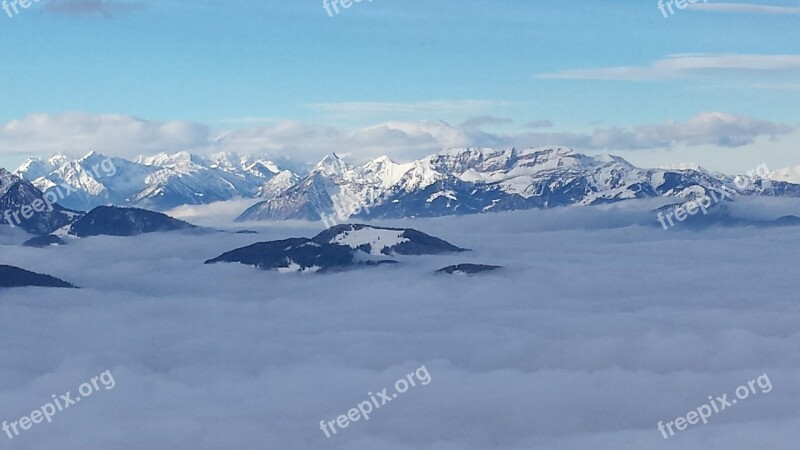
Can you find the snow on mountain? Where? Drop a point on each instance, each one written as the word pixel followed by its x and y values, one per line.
pixel 7 180
pixel 376 239
pixel 789 175
pixel 279 184
pixel 452 181
pixel 159 182
pixel 474 180
pixel 23 205
pixel 339 247
pixel 684 166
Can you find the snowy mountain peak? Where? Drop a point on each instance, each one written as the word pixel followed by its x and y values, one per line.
pixel 551 157
pixel 57 159
pixel 380 161
pixel 90 155
pixel 611 159
pixel 7 179
pixel 684 166
pixel 331 165
pixel 278 184
pixel 182 160
pixel 35 167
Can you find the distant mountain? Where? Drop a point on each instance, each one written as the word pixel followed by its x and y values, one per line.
pixel 117 221
pixel 339 248
pixel 157 182
pixel 44 241
pixel 13 277
pixel 292 255
pixel 468 269
pixel 470 181
pixel 20 198
pixel 718 215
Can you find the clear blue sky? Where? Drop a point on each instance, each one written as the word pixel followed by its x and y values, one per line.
pixel 233 64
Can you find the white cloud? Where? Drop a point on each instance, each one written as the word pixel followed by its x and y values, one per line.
pixel 724 130
pixel 746 8
pixel 562 350
pixel 688 66
pixel 76 132
pixel 404 107
pixel 301 143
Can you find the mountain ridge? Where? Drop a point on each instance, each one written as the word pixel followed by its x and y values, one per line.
pixel 452 181
pixel 476 180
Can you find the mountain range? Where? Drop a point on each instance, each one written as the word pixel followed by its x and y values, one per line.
pixel 469 181
pixel 159 182
pixel 450 182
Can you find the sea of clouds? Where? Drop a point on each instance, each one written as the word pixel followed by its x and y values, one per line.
pixel 592 334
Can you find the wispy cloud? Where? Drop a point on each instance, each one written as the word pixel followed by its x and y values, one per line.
pixel 482 121
pixel 406 140
pixel 714 128
pixel 541 123
pixel 440 106
pixel 79 132
pixel 687 66
pixel 104 8
pixel 746 8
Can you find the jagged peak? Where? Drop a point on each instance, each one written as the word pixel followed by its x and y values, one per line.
pixel 331 165
pixel 57 158
pixel 554 150
pixel 384 159
pixel 684 166
pixel 459 151
pixel 92 155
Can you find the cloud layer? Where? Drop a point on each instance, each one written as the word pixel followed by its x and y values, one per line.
pixel 746 8
pixel 304 143
pixel 115 134
pixel 687 66
pixel 562 350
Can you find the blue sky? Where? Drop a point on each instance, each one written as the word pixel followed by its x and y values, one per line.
pixel 248 65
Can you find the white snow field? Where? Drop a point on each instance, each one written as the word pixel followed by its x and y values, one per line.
pixel 588 338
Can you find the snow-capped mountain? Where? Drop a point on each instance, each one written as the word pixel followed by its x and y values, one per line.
pixel 156 182
pixel 454 181
pixel 472 180
pixel 23 205
pixel 333 185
